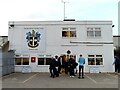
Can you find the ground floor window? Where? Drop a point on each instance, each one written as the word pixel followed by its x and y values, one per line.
pixel 44 61
pixel 95 60
pixel 21 61
pixel 40 61
pixel 47 60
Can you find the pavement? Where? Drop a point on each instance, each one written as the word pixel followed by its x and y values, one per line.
pixel 43 80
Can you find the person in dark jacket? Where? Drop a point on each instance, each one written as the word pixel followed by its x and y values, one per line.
pixel 59 64
pixel 117 64
pixel 71 66
pixel 66 67
pixel 52 68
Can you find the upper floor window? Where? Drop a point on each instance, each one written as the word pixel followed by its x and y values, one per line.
pixel 68 32
pixel 93 32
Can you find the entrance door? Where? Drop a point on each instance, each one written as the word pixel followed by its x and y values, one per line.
pixel 64 62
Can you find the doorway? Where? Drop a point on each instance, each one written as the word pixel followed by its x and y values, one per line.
pixel 64 62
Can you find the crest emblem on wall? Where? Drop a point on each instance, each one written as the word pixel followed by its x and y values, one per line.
pixel 33 39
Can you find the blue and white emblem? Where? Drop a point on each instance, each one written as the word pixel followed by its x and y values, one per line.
pixel 33 38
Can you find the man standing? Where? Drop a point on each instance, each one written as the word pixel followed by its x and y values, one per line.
pixel 81 62
pixel 52 67
pixel 117 64
pixel 59 64
pixel 71 66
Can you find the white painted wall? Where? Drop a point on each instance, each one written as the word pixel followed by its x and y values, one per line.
pixel 54 42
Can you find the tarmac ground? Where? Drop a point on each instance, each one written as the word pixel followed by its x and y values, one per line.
pixel 43 80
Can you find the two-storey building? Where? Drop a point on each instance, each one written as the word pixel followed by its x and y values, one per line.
pixel 35 42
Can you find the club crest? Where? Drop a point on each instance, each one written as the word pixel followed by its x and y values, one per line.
pixel 33 38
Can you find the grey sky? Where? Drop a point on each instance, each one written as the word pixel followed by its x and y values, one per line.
pixel 42 10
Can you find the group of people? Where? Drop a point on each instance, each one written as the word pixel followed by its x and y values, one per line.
pixel 70 66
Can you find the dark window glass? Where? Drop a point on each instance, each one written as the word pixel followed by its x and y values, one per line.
pixel 99 61
pixel 91 61
pixel 72 33
pixel 48 60
pixel 98 55
pixel 25 61
pixel 18 61
pixel 40 61
pixel 65 34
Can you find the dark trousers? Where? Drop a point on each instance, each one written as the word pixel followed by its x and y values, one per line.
pixel 59 69
pixel 66 70
pixel 71 70
pixel 117 68
pixel 81 68
pixel 54 72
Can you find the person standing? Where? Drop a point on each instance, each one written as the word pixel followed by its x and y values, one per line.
pixel 66 67
pixel 52 67
pixel 117 64
pixel 81 63
pixel 71 66
pixel 75 68
pixel 59 64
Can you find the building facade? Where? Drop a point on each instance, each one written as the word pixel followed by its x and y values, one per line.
pixel 35 42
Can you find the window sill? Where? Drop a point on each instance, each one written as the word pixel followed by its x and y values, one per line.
pixel 94 37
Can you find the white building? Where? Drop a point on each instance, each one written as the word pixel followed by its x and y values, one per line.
pixel 35 42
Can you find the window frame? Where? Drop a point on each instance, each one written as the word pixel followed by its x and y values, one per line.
pixel 94 30
pixel 95 59
pixel 45 59
pixel 69 31
pixel 22 58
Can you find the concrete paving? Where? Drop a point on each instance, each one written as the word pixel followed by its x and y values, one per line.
pixel 43 80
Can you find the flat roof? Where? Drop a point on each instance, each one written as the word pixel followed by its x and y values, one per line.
pixel 85 22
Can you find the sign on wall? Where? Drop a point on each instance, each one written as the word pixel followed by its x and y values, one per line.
pixel 34 39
